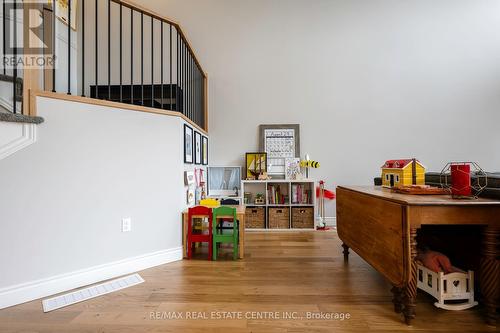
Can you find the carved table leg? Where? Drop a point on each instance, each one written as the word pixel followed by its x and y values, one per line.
pixel 345 252
pixel 397 299
pixel 410 290
pixel 490 272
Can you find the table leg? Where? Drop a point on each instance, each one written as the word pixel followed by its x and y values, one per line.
pixel 345 252
pixel 397 299
pixel 184 236
pixel 490 272
pixel 241 236
pixel 410 290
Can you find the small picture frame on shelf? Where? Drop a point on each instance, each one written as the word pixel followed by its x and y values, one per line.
pixel 204 150
pixel 256 165
pixel 188 144
pixel 197 147
pixel 292 168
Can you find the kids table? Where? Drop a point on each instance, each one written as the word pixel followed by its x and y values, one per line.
pixel 240 215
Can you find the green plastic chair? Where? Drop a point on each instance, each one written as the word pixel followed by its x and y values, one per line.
pixel 224 236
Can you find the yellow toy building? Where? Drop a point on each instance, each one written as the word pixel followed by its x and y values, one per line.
pixel 403 173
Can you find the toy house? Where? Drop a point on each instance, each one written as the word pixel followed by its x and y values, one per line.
pixel 403 173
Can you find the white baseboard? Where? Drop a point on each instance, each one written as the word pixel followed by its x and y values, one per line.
pixel 32 290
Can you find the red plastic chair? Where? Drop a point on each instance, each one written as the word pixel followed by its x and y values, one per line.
pixel 199 212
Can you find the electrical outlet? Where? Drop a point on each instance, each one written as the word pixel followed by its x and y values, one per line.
pixel 126 224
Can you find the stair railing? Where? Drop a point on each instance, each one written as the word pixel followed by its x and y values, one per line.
pixel 117 51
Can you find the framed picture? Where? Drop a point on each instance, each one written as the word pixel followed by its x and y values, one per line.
pixel 204 150
pixel 189 178
pixel 279 142
pixel 190 196
pixel 292 168
pixel 62 11
pixel 256 164
pixel 188 144
pixel 197 148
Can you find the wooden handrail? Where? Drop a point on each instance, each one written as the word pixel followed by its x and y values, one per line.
pixel 110 104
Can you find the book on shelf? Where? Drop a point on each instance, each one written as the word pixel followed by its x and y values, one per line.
pixel 301 194
pixel 276 196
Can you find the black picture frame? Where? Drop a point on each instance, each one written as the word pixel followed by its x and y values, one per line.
pixel 197 148
pixel 204 150
pixel 188 144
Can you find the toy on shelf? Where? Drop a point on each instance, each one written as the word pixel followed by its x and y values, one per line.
pixel 210 203
pixel 403 172
pixel 264 176
pixel 259 199
pixel 247 198
pixel 307 163
pixel 456 176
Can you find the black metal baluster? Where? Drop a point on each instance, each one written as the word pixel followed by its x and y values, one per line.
pixel 121 52
pixel 161 61
pixel 181 91
pixel 193 87
pixel 190 82
pixel 170 41
pixel 177 65
pixel 199 97
pixel 188 109
pixel 96 49
pixel 197 72
pixel 184 81
pixel 131 56
pixel 83 48
pixel 191 91
pixel 142 58
pixel 109 50
pixel 181 88
pixel 184 99
pixel 14 70
pixel 152 65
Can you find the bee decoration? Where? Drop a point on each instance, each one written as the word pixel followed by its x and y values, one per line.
pixel 309 164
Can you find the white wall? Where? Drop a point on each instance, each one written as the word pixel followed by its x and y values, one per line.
pixel 62 199
pixel 366 80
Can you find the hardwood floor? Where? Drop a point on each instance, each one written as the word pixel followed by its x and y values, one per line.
pixel 292 273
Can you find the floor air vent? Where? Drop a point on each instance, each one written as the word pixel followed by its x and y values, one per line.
pixel 91 292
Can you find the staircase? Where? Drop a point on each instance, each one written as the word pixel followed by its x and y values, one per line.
pixel 118 52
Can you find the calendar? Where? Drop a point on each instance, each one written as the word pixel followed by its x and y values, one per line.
pixel 279 143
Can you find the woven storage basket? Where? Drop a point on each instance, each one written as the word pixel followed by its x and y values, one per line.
pixel 255 218
pixel 279 218
pixel 303 217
